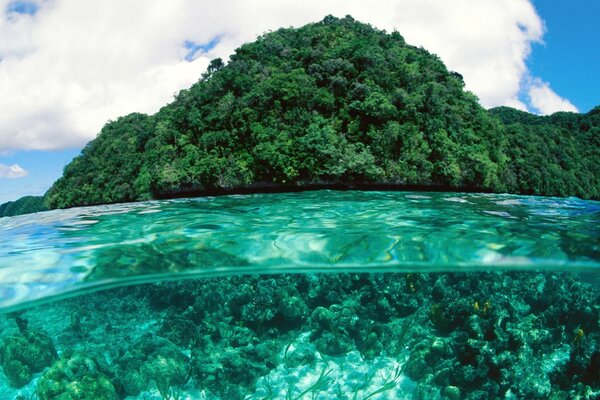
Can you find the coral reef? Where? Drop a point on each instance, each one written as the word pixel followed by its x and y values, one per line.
pixel 151 361
pixel 452 336
pixel 75 377
pixel 24 353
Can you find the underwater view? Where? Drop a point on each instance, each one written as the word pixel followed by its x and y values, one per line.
pixel 311 295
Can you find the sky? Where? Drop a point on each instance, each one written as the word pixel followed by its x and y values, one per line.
pixel 69 66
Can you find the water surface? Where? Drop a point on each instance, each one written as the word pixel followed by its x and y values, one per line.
pixel 63 251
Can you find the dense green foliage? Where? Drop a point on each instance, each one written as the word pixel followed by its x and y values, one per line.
pixel 557 154
pixel 24 205
pixel 332 102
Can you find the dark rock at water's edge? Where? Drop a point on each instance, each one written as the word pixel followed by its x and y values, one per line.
pixel 334 101
pixel 440 336
pixel 268 187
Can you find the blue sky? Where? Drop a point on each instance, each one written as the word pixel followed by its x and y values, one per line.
pixel 570 57
pixel 548 56
pixel 22 7
pixel 43 168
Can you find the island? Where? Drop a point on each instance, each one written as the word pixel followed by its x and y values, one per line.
pixel 337 103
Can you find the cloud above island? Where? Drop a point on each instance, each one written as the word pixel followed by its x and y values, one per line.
pixel 545 101
pixel 12 171
pixel 69 66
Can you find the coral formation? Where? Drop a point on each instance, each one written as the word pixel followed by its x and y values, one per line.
pixel 24 353
pixel 75 377
pixel 151 361
pixel 455 335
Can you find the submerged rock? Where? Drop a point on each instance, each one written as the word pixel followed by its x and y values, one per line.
pixel 25 353
pixel 152 361
pixel 75 378
pixel 227 370
pixel 451 392
pixel 178 330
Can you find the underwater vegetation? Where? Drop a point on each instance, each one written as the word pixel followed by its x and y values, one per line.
pixel 341 336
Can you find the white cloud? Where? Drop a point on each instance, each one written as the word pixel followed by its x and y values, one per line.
pixel 12 171
pixel 545 101
pixel 73 65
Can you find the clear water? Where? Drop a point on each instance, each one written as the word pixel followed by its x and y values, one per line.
pixel 62 251
pixel 357 295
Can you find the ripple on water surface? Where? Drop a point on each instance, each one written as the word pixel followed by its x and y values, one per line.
pixel 65 251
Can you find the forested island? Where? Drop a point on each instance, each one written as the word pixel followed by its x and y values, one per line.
pixel 336 102
pixel 24 205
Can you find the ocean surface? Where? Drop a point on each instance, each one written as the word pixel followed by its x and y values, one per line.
pixel 311 295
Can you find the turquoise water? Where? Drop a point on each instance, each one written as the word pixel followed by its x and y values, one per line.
pixel 325 294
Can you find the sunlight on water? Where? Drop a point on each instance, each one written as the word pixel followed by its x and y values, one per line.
pixel 63 251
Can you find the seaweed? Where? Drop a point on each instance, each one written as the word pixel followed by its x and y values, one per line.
pixel 313 389
pixel 389 382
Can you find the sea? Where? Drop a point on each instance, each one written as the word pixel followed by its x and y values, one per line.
pixel 309 295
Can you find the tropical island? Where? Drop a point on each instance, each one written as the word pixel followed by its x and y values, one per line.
pixel 336 103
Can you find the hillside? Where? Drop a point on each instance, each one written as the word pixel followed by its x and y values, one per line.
pixel 336 101
pixel 556 155
pixel 24 205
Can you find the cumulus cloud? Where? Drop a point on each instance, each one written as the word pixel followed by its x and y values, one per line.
pixel 68 66
pixel 545 101
pixel 12 171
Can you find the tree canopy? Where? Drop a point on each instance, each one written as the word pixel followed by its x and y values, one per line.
pixel 24 205
pixel 555 155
